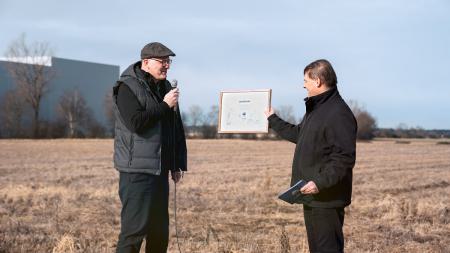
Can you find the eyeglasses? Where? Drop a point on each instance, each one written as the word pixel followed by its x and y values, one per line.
pixel 163 62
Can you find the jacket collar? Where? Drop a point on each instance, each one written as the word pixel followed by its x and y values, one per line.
pixel 148 78
pixel 314 102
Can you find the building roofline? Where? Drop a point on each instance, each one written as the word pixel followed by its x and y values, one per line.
pixel 83 61
pixel 33 60
pixel 46 60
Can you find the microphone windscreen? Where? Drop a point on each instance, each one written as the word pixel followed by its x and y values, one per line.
pixel 174 83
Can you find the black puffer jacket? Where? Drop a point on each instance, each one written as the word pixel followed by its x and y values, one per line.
pixel 326 148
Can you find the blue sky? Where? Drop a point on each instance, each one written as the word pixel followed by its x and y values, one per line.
pixel 393 57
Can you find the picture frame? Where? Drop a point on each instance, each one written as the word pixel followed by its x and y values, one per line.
pixel 242 111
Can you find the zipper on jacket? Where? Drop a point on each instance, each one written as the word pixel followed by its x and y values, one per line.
pixel 130 159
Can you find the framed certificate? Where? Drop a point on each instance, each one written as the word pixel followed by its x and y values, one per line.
pixel 243 111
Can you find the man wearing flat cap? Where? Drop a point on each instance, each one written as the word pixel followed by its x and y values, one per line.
pixel 149 142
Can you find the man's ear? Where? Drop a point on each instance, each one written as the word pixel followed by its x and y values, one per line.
pixel 144 64
pixel 318 82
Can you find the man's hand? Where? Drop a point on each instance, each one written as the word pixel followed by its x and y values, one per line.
pixel 268 112
pixel 171 98
pixel 309 188
pixel 177 175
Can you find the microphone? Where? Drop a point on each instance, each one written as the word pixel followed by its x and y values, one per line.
pixel 174 85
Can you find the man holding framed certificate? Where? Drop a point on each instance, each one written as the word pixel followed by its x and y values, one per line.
pixel 324 156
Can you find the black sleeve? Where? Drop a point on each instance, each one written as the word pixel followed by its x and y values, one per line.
pixel 135 117
pixel 286 130
pixel 341 139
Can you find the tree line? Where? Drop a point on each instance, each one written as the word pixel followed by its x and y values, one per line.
pixel 201 124
pixel 74 118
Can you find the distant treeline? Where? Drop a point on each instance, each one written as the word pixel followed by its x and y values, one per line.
pixel 411 133
pixel 203 125
pixel 74 119
pixel 210 132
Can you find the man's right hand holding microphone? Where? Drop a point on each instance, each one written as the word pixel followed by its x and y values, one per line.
pixel 171 98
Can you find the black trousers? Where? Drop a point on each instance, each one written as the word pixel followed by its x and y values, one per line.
pixel 145 200
pixel 324 229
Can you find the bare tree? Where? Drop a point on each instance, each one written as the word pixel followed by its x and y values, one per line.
pixel 195 116
pixel 28 68
pixel 108 105
pixel 212 116
pixel 13 109
pixel 366 126
pixel 195 119
pixel 209 128
pixel 184 118
pixel 93 128
pixel 72 107
pixel 286 112
pixel 366 122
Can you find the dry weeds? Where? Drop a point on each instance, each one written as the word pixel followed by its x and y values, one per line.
pixel 61 196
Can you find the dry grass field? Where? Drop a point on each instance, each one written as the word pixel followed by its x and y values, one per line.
pixel 61 196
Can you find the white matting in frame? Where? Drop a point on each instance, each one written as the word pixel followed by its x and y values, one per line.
pixel 243 111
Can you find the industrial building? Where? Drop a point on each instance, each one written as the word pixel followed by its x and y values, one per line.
pixel 93 80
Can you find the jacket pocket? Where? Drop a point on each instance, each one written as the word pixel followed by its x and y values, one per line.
pixel 147 149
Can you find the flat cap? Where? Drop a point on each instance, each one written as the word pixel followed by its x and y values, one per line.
pixel 155 50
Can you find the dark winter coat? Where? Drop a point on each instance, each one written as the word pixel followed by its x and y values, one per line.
pixel 326 148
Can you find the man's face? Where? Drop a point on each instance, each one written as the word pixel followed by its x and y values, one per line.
pixel 310 85
pixel 157 67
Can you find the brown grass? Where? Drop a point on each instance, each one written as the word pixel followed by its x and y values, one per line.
pixel 61 196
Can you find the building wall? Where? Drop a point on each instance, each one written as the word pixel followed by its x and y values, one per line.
pixel 93 80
